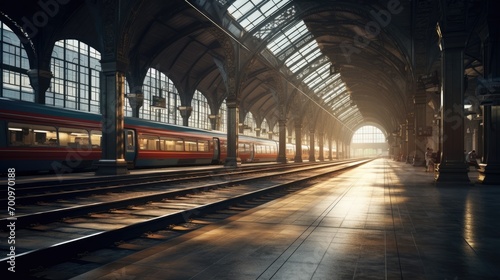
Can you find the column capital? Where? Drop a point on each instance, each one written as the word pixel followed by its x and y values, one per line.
pixel 113 65
pixel 40 73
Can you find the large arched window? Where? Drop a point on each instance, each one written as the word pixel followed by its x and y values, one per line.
pixel 222 120
pixel 248 125
pixel 368 141
pixel 15 83
pixel 158 84
pixel 76 67
pixel 201 110
pixel 368 134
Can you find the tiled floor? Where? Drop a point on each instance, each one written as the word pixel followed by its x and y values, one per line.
pixel 384 220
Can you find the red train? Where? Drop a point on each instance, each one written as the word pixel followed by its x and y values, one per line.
pixel 43 138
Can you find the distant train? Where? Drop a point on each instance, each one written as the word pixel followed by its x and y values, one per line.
pixel 35 137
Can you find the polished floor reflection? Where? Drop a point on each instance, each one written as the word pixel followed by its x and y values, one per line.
pixel 384 220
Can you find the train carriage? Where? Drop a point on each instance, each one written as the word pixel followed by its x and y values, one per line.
pixel 35 137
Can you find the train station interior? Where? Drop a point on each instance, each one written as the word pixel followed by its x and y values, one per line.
pixel 386 110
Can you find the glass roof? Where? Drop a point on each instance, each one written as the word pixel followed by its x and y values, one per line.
pixel 286 39
pixel 306 58
pixel 250 13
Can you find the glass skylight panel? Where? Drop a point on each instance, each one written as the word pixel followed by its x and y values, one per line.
pixel 240 8
pixel 324 70
pixel 336 92
pixel 349 114
pixel 333 85
pixel 319 75
pixel 286 39
pixel 305 54
pixel 340 102
pixel 250 13
pixel 316 81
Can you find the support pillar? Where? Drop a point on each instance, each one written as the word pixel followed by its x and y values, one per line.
pixel 410 144
pixel 298 141
pixel 321 150
pixel 312 157
pixel 452 168
pixel 136 100
pixel 185 112
pixel 419 101
pixel 257 131
pixel 337 149
pixel 330 148
pixel 282 141
pixel 40 82
pixel 112 161
pixel 232 159
pixel 404 143
pixel 214 121
pixel 489 174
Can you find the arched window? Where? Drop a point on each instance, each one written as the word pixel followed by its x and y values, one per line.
pixel 15 83
pixel 223 117
pixel 158 84
pixel 248 125
pixel 368 134
pixel 201 110
pixel 368 141
pixel 75 67
pixel 265 130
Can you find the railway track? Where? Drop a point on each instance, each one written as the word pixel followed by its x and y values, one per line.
pixel 86 223
pixel 32 192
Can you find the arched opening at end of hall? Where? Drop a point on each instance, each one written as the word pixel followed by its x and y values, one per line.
pixel 369 141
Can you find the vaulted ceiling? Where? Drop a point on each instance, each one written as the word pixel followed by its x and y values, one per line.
pixel 342 63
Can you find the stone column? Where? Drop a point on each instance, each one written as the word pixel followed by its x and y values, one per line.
pixel 489 95
pixel 282 141
pixel 298 141
pixel 321 150
pixel 452 168
pixel 312 157
pixel 257 131
pixel 232 159
pixel 136 100
pixel 112 161
pixel 40 82
pixel 419 101
pixel 185 112
pixel 213 122
pixel 337 149
pixel 404 142
pixel 410 137
pixel 330 148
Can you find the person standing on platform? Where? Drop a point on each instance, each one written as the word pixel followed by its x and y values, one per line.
pixel 472 159
pixel 428 160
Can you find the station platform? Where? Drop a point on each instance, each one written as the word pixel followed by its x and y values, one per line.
pixel 383 220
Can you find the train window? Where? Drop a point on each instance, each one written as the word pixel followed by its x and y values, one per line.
pixel 73 138
pixel 171 144
pixel 258 149
pixel 190 145
pixel 30 134
pixel 95 138
pixel 179 145
pixel 203 146
pixel 149 142
pixel 244 147
pixel 130 141
pixel 161 143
